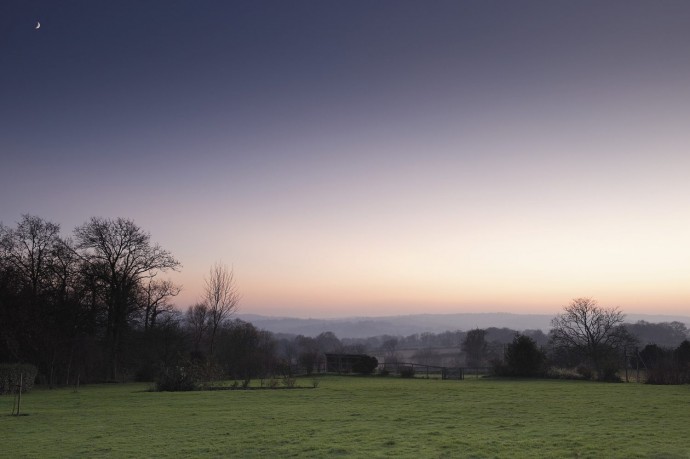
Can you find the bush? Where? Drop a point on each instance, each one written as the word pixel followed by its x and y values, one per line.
pixel 407 371
pixel 585 371
pixel 365 365
pixel 609 372
pixel 563 373
pixel 10 375
pixel 499 368
pixel 176 379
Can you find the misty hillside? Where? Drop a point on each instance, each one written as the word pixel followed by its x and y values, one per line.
pixel 364 327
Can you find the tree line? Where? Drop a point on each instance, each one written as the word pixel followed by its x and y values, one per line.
pixel 70 304
pixel 95 306
pixel 594 341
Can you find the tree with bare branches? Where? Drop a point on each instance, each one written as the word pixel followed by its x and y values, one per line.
pixel 155 299
pixel 121 257
pixel 41 323
pixel 197 324
pixel 30 251
pixel 221 298
pixel 590 330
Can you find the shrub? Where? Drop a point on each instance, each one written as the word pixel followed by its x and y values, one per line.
pixel 499 368
pixel 289 382
pixel 609 371
pixel 407 371
pixel 585 371
pixel 176 379
pixel 563 373
pixel 10 375
pixel 365 365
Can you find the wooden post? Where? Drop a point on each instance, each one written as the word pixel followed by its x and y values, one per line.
pixel 19 395
pixel 625 357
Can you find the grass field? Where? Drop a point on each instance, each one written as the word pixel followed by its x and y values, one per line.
pixel 358 417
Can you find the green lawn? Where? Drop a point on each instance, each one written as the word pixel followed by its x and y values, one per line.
pixel 358 417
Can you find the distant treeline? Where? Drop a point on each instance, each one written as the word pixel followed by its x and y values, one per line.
pixel 665 335
pixel 93 306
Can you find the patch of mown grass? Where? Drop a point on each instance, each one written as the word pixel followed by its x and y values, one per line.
pixel 355 416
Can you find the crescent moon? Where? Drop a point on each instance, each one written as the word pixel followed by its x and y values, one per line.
pixel 38 25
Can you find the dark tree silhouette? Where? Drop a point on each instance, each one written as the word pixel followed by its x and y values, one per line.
pixel 154 298
pixel 523 357
pixel 308 356
pixel 328 342
pixel 595 333
pixel 221 298
pixel 40 314
pixel 30 250
pixel 365 365
pixel 120 257
pixel 245 351
pixel 197 324
pixel 475 348
pixel 389 346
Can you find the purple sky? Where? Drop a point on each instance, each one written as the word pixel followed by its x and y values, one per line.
pixel 365 158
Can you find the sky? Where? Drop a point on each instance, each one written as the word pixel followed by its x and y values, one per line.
pixel 365 158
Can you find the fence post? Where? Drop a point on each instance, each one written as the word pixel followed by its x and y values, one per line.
pixel 21 386
pixel 625 360
pixel 18 398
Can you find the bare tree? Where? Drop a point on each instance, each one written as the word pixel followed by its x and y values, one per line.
pixel 36 326
pixel 590 330
pixel 120 256
pixel 197 321
pixel 389 346
pixel 155 299
pixel 221 297
pixel 30 250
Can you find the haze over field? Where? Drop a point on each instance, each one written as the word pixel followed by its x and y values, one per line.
pixel 365 327
pixel 365 158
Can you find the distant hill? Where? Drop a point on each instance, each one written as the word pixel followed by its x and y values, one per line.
pixel 364 327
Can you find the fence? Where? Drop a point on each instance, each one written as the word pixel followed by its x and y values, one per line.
pixel 425 371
